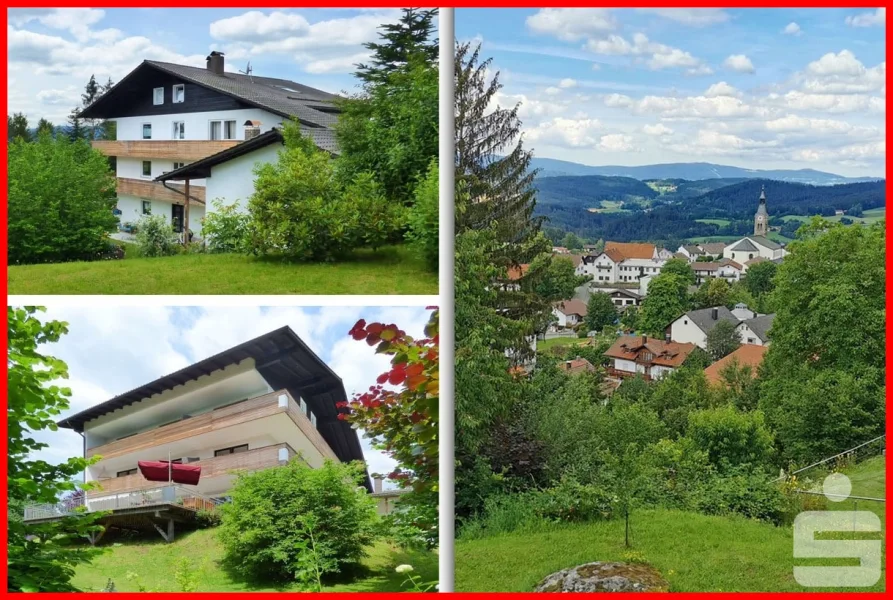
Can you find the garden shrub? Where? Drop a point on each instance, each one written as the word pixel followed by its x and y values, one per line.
pixel 424 217
pixel 570 500
pixel 156 236
pixel 744 491
pixel 225 227
pixel 730 437
pixel 267 527
pixel 380 221
pixel 61 197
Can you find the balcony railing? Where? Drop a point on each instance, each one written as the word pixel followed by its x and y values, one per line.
pixel 251 460
pixel 226 416
pixel 155 496
pixel 154 190
pixel 175 150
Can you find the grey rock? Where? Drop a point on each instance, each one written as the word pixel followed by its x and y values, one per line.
pixel 605 577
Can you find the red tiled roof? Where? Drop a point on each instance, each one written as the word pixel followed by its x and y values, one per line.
pixel 667 354
pixel 577 365
pixel 517 272
pixel 628 250
pixel 572 307
pixel 705 266
pixel 746 355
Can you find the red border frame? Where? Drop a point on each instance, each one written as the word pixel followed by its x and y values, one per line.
pixel 456 4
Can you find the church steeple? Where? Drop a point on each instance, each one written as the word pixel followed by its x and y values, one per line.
pixel 761 219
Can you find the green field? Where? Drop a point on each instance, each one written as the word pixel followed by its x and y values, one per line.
pixel 868 217
pixel 609 206
pixel 545 345
pixel 773 235
pixel 155 562
pixel 720 222
pixel 391 270
pixel 694 552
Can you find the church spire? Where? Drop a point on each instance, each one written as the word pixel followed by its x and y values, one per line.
pixel 761 219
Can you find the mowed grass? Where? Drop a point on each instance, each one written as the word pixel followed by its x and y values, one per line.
pixel 720 222
pixel 155 563
pixel 773 235
pixel 868 479
pixel 609 206
pixel 694 552
pixel 868 217
pixel 545 345
pixel 390 270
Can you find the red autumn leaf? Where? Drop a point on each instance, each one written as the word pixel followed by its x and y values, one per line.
pixel 382 378
pixel 397 376
pixel 414 382
pixel 374 328
pixel 414 369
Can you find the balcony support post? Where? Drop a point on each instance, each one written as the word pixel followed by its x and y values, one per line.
pixel 186 217
pixel 168 535
pixel 94 537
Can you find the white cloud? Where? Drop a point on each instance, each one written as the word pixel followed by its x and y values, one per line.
pixel 722 89
pixel 694 17
pixel 68 97
pixel 571 133
pixel 662 56
pixel 877 18
pixel 658 129
pixel 567 83
pixel 617 142
pixel 571 24
pixel 792 29
pixel 257 26
pixel 77 21
pixel 552 91
pixel 739 63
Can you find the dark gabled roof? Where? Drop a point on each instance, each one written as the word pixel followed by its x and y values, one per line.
pixel 312 107
pixel 760 325
pixel 703 318
pixel 745 246
pixel 764 241
pixel 284 360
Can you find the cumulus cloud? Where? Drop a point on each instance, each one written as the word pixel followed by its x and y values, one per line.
pixel 722 89
pixel 739 63
pixel 658 129
pixel 571 24
pixel 571 133
pixel 877 18
pixel 617 142
pixel 792 29
pixel 567 83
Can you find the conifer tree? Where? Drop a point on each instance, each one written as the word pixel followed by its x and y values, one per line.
pixel 410 36
pixel 17 127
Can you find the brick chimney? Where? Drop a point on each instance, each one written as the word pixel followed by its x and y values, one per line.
pixel 377 484
pixel 644 339
pixel 215 62
pixel 252 129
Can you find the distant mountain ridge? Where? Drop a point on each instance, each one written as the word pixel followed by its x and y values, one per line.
pixel 550 167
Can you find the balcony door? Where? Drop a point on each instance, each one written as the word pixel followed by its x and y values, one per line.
pixel 177 217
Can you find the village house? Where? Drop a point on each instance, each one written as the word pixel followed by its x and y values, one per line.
pixel 756 330
pixel 651 358
pixel 576 366
pixel 747 355
pixel 198 132
pixel 172 447
pixel 569 313
pixel 693 326
pixel 725 269
pixel 622 263
pixel 756 245
pixel 623 299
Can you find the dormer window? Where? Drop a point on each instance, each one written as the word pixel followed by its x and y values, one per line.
pixel 158 96
pixel 179 93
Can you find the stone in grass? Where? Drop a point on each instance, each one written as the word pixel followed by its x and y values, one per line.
pixel 605 577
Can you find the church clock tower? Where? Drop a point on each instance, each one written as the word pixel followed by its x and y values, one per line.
pixel 761 219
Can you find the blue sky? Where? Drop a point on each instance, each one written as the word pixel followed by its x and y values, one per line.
pixel 110 350
pixel 53 52
pixel 757 88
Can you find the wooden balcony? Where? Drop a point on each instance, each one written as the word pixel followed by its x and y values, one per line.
pixel 174 150
pixel 220 418
pixel 154 190
pixel 252 460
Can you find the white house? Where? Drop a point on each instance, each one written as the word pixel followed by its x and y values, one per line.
pixel 756 330
pixel 693 326
pixel 170 117
pixel 254 406
pixel 647 357
pixel 569 313
pixel 622 263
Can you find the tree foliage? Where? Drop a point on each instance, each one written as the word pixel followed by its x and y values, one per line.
pixel 17 127
pixel 760 278
pixel 61 196
pixel 667 300
pixel 424 218
pixel 266 529
pixel 723 339
pixel 681 267
pixel 41 558
pixel 600 311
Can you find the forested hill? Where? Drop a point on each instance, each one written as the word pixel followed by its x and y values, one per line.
pixel 550 167
pixel 590 190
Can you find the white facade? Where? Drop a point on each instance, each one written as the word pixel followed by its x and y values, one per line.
pixel 748 336
pixel 233 181
pixel 604 269
pixel 729 272
pixel 761 250
pixel 196 125
pixel 133 207
pixel 684 331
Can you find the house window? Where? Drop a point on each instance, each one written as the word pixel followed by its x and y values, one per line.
pixel 179 131
pixel 685 321
pixel 232 450
pixel 147 207
pixel 127 472
pixel 147 131
pixel 179 93
pixel 223 130
pixel 313 420
pixel 750 255
pixel 147 168
pixel 158 96
pixel 179 165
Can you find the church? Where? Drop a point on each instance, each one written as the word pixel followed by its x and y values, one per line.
pixel 757 247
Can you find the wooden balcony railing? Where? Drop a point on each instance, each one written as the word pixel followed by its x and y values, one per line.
pixel 252 460
pixel 221 418
pixel 154 190
pixel 175 150
pixel 152 495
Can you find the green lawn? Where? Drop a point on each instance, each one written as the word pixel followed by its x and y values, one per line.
pixel 694 552
pixel 609 206
pixel 868 480
pixel 720 222
pixel 544 345
pixel 391 270
pixel 155 562
pixel 868 217
pixel 773 235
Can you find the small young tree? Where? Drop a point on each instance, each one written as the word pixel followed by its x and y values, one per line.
pixel 572 241
pixel 44 127
pixel 723 339
pixel 225 228
pixel 155 236
pixel 41 558
pixel 600 312
pixel 281 515
pixel 424 218
pixel 17 127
